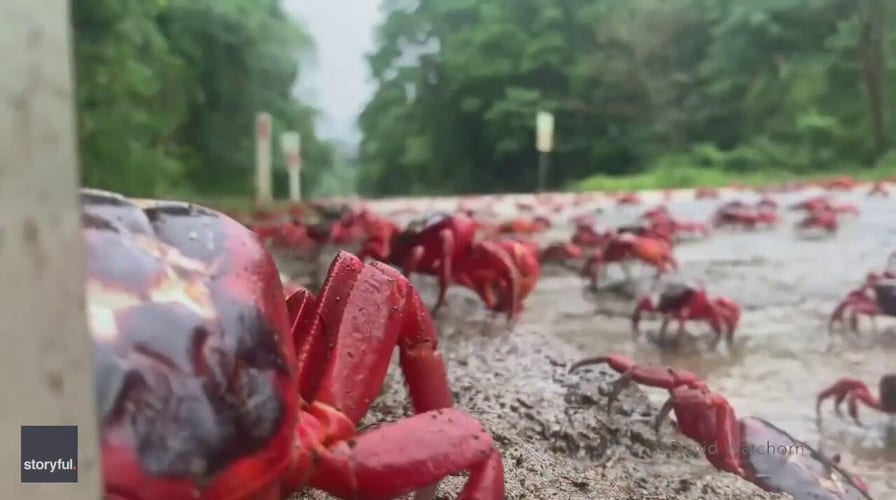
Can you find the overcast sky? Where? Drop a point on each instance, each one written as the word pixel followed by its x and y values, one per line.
pixel 339 82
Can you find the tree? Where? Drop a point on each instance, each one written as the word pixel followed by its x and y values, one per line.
pixel 168 91
pixel 634 85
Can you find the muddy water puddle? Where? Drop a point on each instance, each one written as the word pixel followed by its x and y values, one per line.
pixel 782 356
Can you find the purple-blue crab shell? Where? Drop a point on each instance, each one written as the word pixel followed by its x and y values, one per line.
pixel 886 297
pixel 779 462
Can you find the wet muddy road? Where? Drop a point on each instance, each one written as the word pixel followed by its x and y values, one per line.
pixel 782 357
pixel 555 433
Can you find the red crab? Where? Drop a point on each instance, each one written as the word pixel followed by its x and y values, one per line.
pixel 879 188
pixel 744 217
pixel 560 252
pixel 855 391
pixel 522 225
pixel 660 221
pixel 877 297
pixel 660 212
pixel 823 219
pixel 682 302
pixel 839 184
pixel 586 236
pixel 813 203
pixel 653 251
pixel 525 257
pixel 741 447
pixel 211 387
pixel 767 203
pixel 706 193
pixel 628 199
pixel 443 245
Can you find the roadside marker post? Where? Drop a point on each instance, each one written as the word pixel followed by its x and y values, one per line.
pixel 263 190
pixel 291 143
pixel 544 143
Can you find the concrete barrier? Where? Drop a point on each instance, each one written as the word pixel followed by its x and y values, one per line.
pixel 45 364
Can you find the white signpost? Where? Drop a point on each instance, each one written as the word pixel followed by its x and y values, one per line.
pixel 544 143
pixel 263 191
pixel 46 367
pixel 291 142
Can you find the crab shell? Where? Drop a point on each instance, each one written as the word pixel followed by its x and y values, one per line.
pixel 191 354
pixel 779 462
pixel 885 293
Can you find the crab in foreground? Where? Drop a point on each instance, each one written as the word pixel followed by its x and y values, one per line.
pixel 444 246
pixel 682 302
pixel 211 386
pixel 751 448
pixel 854 391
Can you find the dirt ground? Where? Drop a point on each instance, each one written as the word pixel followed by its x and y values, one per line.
pixel 553 429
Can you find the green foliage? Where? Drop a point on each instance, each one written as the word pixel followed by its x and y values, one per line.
pixel 168 91
pixel 669 93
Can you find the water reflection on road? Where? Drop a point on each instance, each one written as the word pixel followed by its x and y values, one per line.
pixel 787 287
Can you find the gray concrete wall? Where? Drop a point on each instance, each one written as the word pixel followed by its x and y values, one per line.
pixel 45 363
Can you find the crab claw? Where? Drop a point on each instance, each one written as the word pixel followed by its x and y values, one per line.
pixel 857 301
pixel 649 375
pixel 491 256
pixel 852 390
pixel 724 313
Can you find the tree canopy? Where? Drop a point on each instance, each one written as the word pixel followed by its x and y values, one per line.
pixel 167 92
pixel 641 84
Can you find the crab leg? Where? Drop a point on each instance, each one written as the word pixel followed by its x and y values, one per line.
pixel 315 321
pixel 725 434
pixel 853 390
pixel 650 375
pixel 490 269
pixel 362 314
pixel 591 269
pixel 714 316
pixel 856 302
pixel 446 237
pixel 409 455
pixel 729 313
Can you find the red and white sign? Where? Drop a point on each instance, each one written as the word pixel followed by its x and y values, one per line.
pixel 293 161
pixel 263 126
pixel 291 143
pixel 292 150
pixel 263 187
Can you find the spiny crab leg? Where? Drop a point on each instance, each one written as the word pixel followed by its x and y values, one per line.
pixel 362 313
pixel 853 391
pixel 664 413
pixel 630 371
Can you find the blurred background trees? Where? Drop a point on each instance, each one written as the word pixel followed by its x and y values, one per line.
pixel 168 90
pixel 640 85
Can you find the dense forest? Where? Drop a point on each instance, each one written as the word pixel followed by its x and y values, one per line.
pixel 636 85
pixel 167 92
